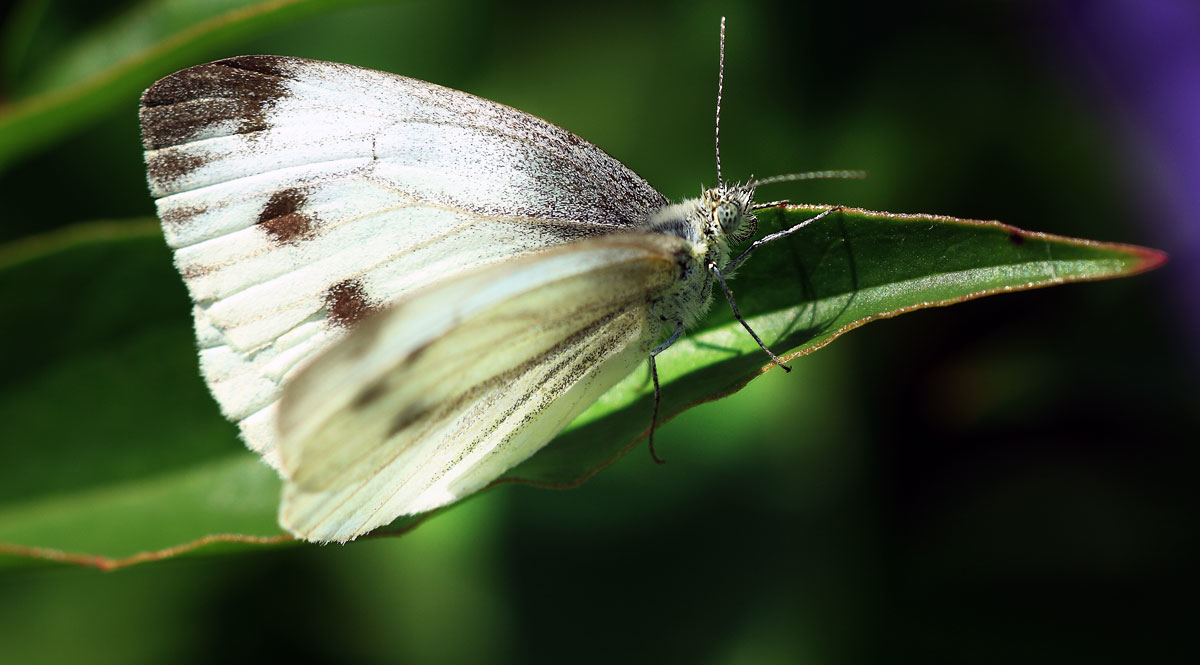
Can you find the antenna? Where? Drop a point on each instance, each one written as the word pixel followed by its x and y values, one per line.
pixel 809 175
pixel 720 89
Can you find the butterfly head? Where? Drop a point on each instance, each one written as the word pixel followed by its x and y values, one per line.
pixel 727 208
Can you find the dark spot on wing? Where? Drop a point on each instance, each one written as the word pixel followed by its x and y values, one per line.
pixel 1016 238
pixel 372 393
pixel 192 103
pixel 177 215
pixel 415 355
pixel 165 167
pixel 407 417
pixel 289 227
pixel 283 218
pixel 346 303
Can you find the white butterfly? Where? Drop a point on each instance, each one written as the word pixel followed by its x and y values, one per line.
pixel 506 273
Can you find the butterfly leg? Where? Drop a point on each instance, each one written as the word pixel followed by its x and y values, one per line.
pixel 733 265
pixel 657 392
pixel 738 315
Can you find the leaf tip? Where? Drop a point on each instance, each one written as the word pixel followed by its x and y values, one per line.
pixel 1147 259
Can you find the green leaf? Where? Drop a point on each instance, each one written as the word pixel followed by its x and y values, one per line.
pixel 112 445
pixel 112 65
pixel 800 293
pixel 116 454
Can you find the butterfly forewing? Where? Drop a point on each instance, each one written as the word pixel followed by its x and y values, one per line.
pixel 300 196
pixel 438 395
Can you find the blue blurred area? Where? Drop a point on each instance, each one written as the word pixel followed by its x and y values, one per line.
pixel 1006 481
pixel 1140 62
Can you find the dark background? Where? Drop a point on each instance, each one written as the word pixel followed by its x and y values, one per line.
pixel 1004 481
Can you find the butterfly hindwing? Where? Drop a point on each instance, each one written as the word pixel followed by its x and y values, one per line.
pixel 300 196
pixel 438 395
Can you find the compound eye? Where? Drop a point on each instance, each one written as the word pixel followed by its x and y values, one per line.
pixel 726 214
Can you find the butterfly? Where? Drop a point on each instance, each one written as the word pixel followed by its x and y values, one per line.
pixel 401 290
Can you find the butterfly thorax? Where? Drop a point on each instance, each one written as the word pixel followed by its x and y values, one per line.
pixel 710 224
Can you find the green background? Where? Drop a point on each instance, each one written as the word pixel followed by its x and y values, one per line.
pixel 1007 480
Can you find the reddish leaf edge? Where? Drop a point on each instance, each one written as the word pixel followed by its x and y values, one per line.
pixel 1150 258
pixel 109 564
pixel 106 564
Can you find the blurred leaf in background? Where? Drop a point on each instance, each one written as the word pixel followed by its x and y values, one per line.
pixel 55 89
pixel 1006 480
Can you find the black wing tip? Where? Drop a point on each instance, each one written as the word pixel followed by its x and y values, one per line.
pixel 183 106
pixel 230 72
